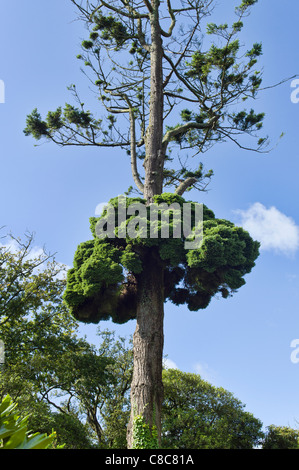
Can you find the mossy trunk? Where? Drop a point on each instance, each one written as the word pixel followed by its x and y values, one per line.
pixel 148 342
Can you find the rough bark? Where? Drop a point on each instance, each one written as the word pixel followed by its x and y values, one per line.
pixel 154 154
pixel 148 342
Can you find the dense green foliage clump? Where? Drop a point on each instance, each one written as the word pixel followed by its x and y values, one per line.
pixel 103 282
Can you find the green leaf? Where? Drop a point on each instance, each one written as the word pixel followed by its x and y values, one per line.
pixel 13 430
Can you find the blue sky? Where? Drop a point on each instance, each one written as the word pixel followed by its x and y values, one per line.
pixel 242 343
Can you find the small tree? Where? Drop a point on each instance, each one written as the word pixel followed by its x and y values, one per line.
pixel 281 437
pixel 198 415
pixel 174 88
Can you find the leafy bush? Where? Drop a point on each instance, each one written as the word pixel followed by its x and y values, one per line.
pixel 14 432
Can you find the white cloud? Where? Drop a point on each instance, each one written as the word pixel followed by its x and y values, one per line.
pixel 205 372
pixel 14 247
pixel 273 229
pixel 169 364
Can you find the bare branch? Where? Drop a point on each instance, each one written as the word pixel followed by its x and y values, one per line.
pixel 134 169
pixel 185 185
pixel 187 84
pixel 229 136
pixel 173 21
pixel 182 55
pixel 186 127
pixel 133 14
pixel 279 83
pixel 148 6
pixel 181 97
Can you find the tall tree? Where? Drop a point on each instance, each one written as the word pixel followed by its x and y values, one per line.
pixel 175 88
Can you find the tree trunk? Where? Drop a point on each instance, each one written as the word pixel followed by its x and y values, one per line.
pixel 148 341
pixel 154 155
